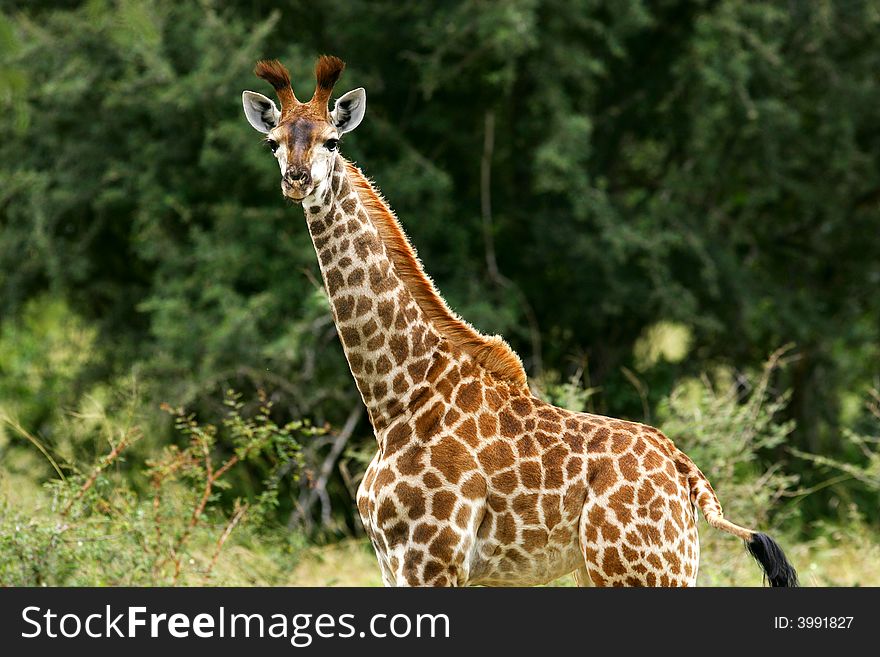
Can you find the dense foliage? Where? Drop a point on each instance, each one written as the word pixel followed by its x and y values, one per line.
pixel 633 193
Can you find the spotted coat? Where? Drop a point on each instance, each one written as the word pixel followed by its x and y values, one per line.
pixel 475 480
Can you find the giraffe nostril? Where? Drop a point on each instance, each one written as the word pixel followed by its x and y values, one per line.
pixel 298 177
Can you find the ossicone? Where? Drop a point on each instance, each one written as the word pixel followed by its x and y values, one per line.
pixel 276 74
pixel 328 69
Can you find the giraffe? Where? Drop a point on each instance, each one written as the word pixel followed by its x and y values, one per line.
pixel 475 480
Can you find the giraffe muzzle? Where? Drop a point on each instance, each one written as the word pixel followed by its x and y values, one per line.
pixel 296 184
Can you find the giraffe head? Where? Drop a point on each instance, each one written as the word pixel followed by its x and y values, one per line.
pixel 304 136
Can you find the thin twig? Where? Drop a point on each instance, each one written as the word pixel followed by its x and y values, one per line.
pixel 237 516
pixel 20 429
pixel 318 490
pixel 640 388
pixel 110 458
pixel 489 241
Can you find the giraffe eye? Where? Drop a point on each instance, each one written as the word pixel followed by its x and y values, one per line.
pixel 331 144
pixel 273 145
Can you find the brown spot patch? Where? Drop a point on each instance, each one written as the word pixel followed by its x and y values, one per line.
pixel 431 480
pixel 653 460
pixel 376 342
pixel 510 425
pixel 496 502
pixel 334 280
pixel 344 308
pixel 525 505
pixel 443 545
pixel 629 467
pixel 494 398
pixel 530 472
pixel 369 328
pixel 399 348
pixel 469 397
pixel 396 535
pixel 597 578
pixel 417 370
pixel 380 282
pixel 574 498
pixel 526 447
pixel 364 305
pixel 610 533
pixel 386 513
pixel 451 458
pixel 620 442
pixel 442 503
pixel 475 487
pixel 612 563
pixel 488 425
pixel 598 441
pixel 574 467
pixel 534 539
pixel 505 482
pixel 432 569
pixel 552 463
pixel 385 310
pixel 602 475
pixel 423 532
pixel 412 499
pixel 438 366
pixel 383 365
pixel 397 438
pixel 428 423
pixel 411 560
pixel 467 431
pixel 505 529
pixel 350 336
pixel 550 506
pixel 383 478
pixel 410 462
pixel 662 481
pixel 521 406
pixel 463 516
pixel 496 456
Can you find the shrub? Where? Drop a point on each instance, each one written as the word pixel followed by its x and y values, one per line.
pixel 726 427
pixel 94 528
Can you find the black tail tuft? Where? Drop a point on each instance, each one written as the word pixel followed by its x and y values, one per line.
pixel 777 570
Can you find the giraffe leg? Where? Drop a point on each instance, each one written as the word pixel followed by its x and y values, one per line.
pixel 582 577
pixel 388 577
pixel 411 565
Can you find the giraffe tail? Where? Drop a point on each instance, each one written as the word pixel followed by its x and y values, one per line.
pixel 778 571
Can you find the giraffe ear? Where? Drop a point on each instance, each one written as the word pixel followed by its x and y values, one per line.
pixel 348 112
pixel 261 112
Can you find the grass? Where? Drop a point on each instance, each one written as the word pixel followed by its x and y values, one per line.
pixel 842 558
pixel 840 555
pixel 94 526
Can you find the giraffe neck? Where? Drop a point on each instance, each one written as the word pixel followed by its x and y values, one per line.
pixel 388 341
